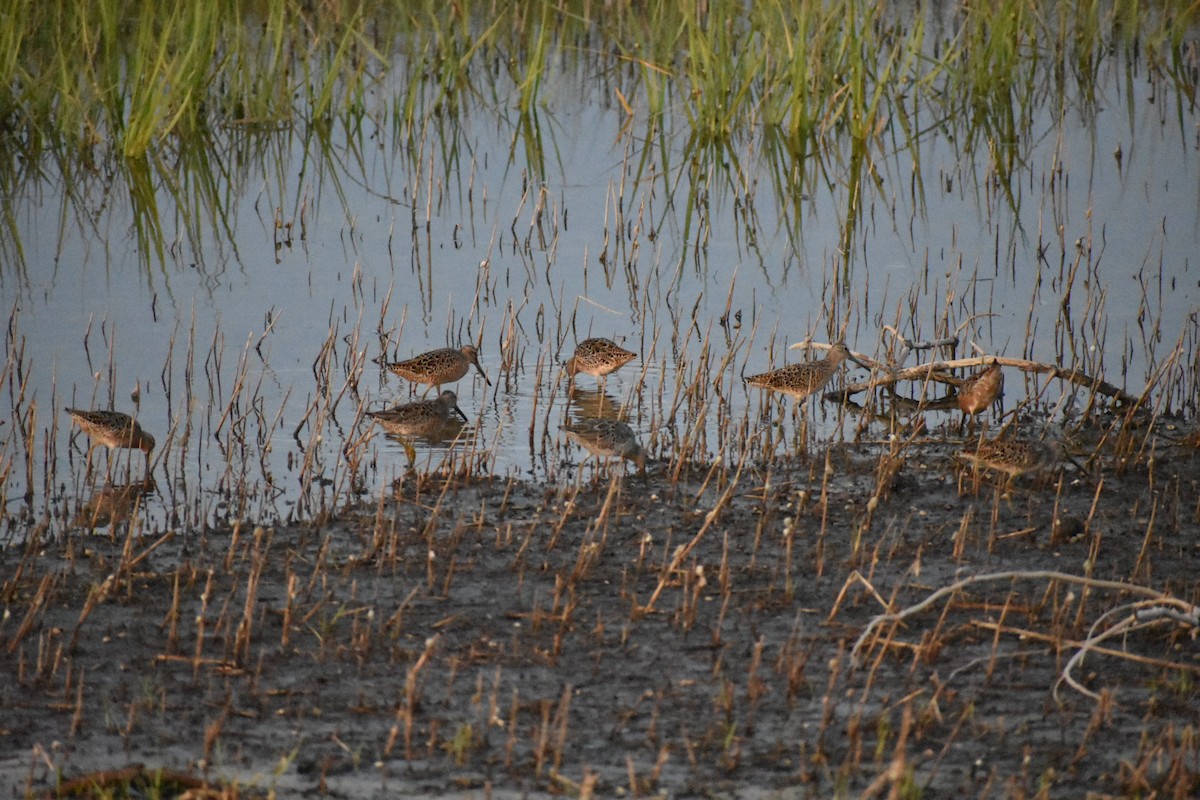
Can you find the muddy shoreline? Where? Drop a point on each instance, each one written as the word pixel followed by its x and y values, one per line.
pixel 489 637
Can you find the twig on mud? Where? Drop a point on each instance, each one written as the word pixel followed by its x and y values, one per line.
pixel 991 577
pixel 853 578
pixel 1061 643
pixel 1156 608
pixel 989 658
pixel 1144 615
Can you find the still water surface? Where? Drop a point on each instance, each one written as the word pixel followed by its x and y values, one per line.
pixel 247 341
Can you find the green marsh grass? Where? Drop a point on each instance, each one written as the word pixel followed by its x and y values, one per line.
pixel 800 92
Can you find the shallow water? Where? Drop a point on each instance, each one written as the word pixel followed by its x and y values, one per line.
pixel 248 341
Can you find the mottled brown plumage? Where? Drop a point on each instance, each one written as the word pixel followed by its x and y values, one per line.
pixel 598 357
pixel 422 418
pixel 978 391
pixel 113 430
pixel 436 367
pixel 113 505
pixel 801 380
pixel 1013 457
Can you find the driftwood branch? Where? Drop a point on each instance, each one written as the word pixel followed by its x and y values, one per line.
pixel 899 616
pixel 1155 608
pixel 1145 614
pixel 883 375
pixel 908 346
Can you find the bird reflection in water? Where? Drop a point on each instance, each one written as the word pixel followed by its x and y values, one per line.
pixel 114 504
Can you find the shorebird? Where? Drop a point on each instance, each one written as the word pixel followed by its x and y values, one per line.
pixel 1013 457
pixel 801 380
pixel 606 438
pixel 978 391
pixel 436 367
pixel 597 357
pixel 112 429
pixel 1016 457
pixel 422 418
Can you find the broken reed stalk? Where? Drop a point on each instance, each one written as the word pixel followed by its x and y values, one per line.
pixel 36 607
pixel 598 527
pixel 897 770
pixel 568 507
pixel 96 595
pixel 201 622
pixel 258 561
pixel 130 562
pixel 854 578
pixel 77 716
pixel 395 622
pixel 542 745
pixel 683 551
pixel 289 610
pixel 406 708
pixel 561 717
pixel 171 620
pixel 826 476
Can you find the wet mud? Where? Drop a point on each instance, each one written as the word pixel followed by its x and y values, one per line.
pixel 686 634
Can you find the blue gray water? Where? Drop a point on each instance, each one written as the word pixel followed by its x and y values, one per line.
pixel 245 344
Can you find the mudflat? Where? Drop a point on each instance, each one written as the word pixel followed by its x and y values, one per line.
pixel 711 631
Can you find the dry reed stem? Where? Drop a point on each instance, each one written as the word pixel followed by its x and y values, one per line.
pixel 406 708
pixel 37 604
pixel 683 551
pixel 561 717
pixel 201 622
pixel 894 775
pixel 96 595
pixel 242 637
pixel 171 621
pixel 853 578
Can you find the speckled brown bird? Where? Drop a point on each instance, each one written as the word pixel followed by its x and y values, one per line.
pixel 422 418
pixel 598 357
pixel 113 430
pixel 436 367
pixel 1014 457
pixel 978 391
pixel 801 380
pixel 113 505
